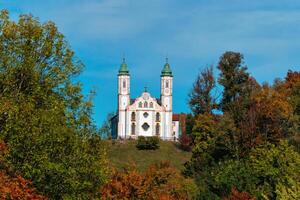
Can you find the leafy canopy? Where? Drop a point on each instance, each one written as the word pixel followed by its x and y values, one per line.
pixel 44 118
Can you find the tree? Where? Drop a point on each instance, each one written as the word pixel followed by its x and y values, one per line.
pixel 189 123
pixel 12 185
pixel 290 87
pixel 204 137
pixel 105 130
pixel 269 171
pixel 44 118
pixel 237 84
pixel 267 119
pixel 201 99
pixel 214 139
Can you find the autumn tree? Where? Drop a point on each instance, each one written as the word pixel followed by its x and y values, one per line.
pixel 245 147
pixel 201 99
pixel 290 87
pixel 45 119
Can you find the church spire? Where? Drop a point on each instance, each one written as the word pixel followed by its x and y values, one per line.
pixel 167 69
pixel 123 68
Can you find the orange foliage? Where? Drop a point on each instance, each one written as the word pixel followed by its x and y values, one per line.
pixel 292 79
pixel 265 119
pixel 236 195
pixel 14 187
pixel 158 182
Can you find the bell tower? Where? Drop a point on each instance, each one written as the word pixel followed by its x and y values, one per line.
pixel 123 98
pixel 166 84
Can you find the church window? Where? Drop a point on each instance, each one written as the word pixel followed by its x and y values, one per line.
pixel 124 84
pixel 133 129
pixel 167 84
pixel 133 116
pixel 145 114
pixel 157 129
pixel 151 105
pixel 140 104
pixel 146 104
pixel 157 117
pixel 145 126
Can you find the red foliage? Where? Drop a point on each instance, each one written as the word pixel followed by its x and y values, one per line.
pixel 236 195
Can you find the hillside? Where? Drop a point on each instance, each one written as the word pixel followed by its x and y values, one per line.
pixel 122 154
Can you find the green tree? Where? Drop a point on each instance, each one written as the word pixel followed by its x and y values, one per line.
pixel 204 137
pixel 44 118
pixel 237 84
pixel 270 171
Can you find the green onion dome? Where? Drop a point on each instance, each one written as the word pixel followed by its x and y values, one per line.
pixel 166 70
pixel 123 68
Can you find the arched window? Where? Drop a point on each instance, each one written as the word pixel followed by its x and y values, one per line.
pixel 145 104
pixel 124 84
pixel 133 116
pixel 140 104
pixel 157 117
pixel 167 84
pixel 157 127
pixel 151 105
pixel 133 129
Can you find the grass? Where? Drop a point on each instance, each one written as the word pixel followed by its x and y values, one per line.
pixel 123 154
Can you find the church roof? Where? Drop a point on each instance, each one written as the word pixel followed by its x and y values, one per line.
pixel 123 68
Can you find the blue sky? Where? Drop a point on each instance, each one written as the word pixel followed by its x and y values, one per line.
pixel 193 34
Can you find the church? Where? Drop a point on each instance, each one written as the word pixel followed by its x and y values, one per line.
pixel 145 115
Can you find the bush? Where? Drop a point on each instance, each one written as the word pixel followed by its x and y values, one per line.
pixel 185 142
pixel 236 195
pixel 147 143
pixel 159 181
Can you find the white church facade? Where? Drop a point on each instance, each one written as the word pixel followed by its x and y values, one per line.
pixel 145 115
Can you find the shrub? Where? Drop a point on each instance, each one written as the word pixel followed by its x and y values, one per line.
pixel 236 195
pixel 147 143
pixel 159 181
pixel 185 142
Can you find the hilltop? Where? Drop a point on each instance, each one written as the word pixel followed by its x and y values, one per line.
pixel 122 154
